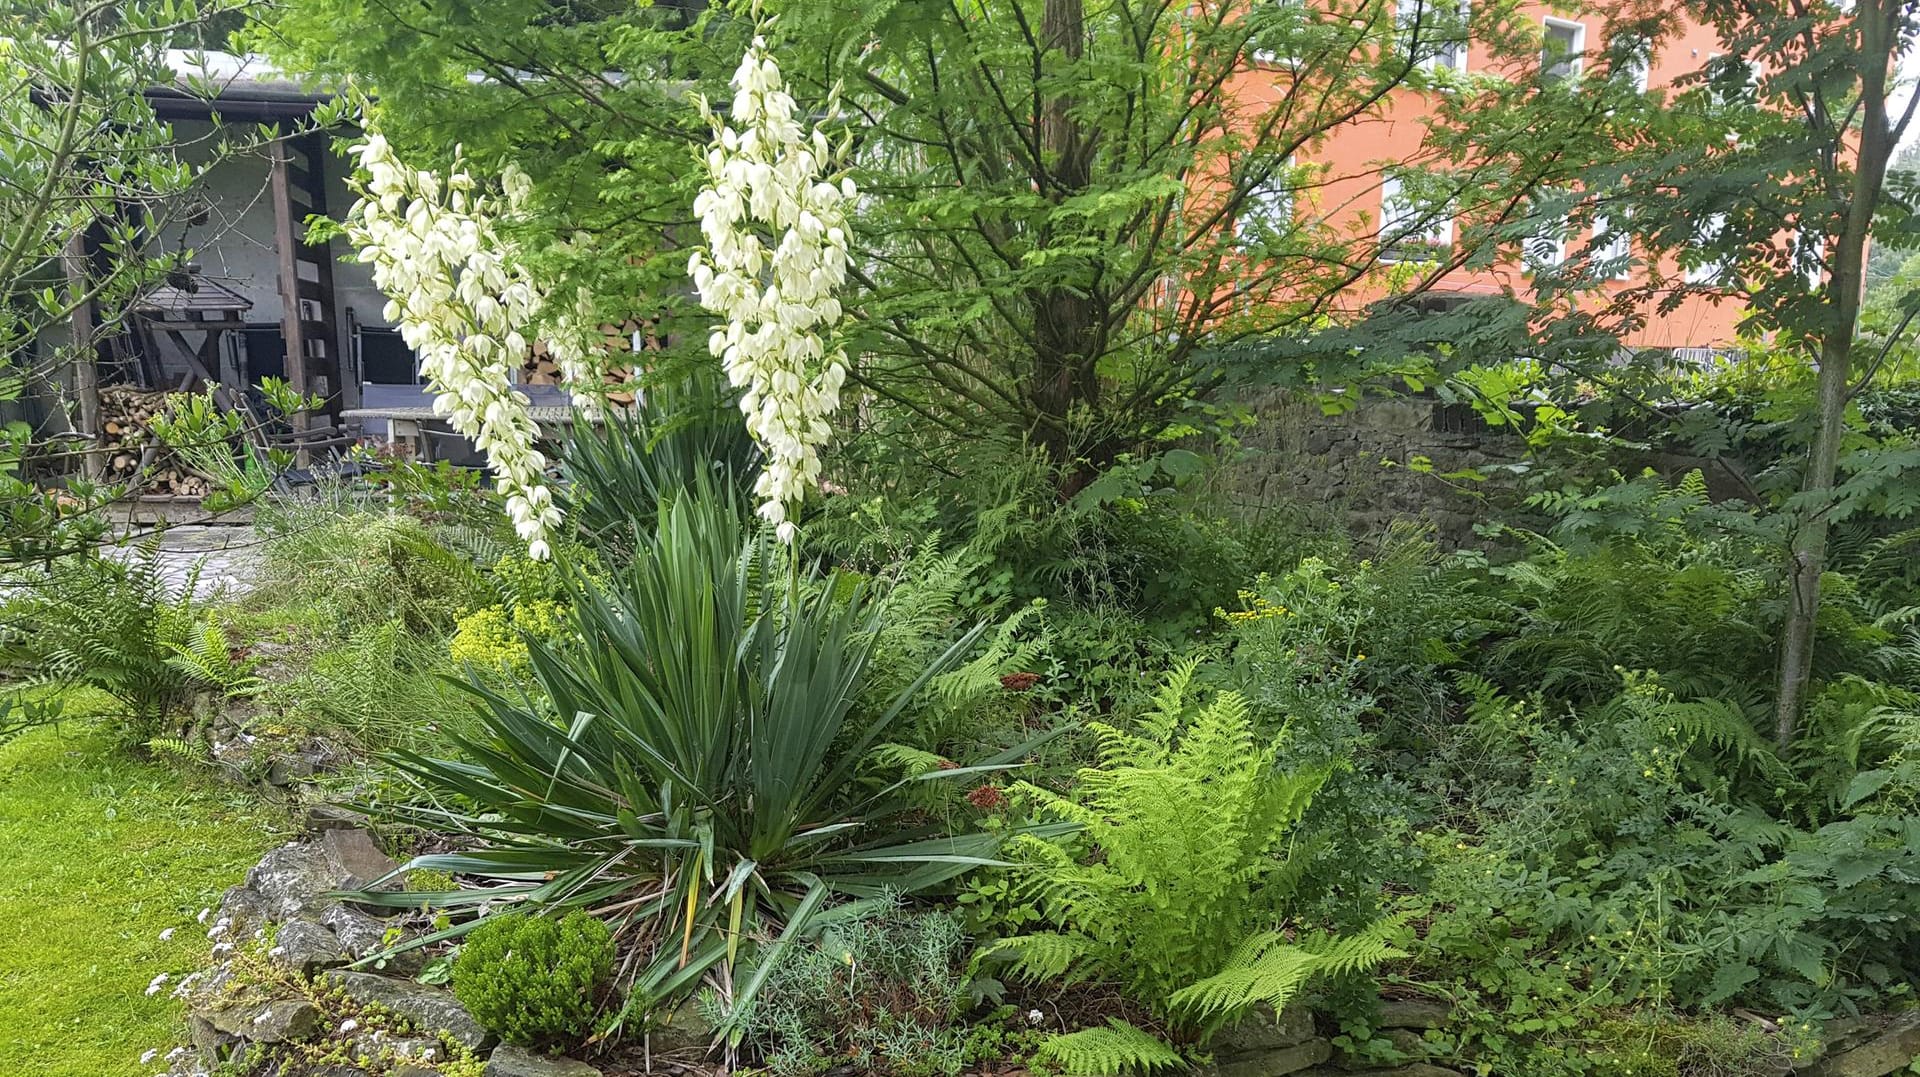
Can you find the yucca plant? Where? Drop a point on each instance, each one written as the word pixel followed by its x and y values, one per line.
pixel 619 471
pixel 695 774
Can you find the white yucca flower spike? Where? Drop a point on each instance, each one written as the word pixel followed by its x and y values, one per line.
pixel 775 254
pixel 464 302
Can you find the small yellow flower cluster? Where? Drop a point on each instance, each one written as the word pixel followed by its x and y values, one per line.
pixel 490 638
pixel 1257 608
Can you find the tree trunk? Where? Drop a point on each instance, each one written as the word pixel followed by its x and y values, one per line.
pixel 1844 292
pixel 1065 321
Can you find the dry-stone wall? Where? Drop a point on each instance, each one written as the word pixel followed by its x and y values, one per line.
pixel 1367 463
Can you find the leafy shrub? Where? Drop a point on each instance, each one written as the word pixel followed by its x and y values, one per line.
pixel 491 640
pixel 1184 909
pixel 359 566
pixel 377 685
pixel 536 981
pixel 881 991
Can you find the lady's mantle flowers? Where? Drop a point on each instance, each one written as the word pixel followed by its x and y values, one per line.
pixel 776 252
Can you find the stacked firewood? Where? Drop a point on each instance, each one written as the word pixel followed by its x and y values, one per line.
pixel 126 438
pixel 540 367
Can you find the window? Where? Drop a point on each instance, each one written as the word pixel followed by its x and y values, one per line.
pixel 1405 224
pixel 1280 23
pixel 1635 64
pixel 1809 251
pixel 1706 270
pixel 1438 35
pixel 1612 250
pixel 1268 208
pixel 1547 248
pixel 1560 50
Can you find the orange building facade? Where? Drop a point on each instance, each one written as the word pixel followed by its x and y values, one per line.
pixel 1354 192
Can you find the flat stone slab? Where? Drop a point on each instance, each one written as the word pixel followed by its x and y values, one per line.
pixel 511 1061
pixel 431 1009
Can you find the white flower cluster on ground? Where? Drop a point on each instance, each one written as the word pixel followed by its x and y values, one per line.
pixel 465 304
pixel 776 254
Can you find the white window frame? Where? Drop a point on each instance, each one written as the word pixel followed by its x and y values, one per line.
pixel 1709 272
pixel 1438 233
pixel 1575 54
pixel 1452 56
pixel 1618 250
pixel 1640 71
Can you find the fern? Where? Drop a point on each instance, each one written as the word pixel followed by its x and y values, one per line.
pixel 1176 904
pixel 1266 968
pixel 208 659
pixel 1119 1048
pixel 108 622
pixel 190 751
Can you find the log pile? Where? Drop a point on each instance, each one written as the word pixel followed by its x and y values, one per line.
pixel 126 436
pixel 540 367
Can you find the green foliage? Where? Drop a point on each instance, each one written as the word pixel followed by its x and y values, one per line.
pixel 705 754
pixel 879 989
pixel 358 565
pixel 619 472
pixel 112 622
pixel 1115 1049
pixel 1180 908
pixel 536 981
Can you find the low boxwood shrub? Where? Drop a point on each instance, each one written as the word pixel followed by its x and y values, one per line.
pixel 535 981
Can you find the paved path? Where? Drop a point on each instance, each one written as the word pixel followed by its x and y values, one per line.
pixel 228 557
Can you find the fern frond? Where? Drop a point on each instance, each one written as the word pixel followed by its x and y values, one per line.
pixel 1041 956
pixel 1119 1048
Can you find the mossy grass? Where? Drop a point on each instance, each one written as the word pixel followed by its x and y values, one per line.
pixel 104 852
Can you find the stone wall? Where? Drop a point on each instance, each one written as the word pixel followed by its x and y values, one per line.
pixel 1367 465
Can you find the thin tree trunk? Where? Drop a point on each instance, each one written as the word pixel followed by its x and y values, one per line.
pixel 1844 292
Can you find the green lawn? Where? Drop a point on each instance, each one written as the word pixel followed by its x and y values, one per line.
pixel 99 854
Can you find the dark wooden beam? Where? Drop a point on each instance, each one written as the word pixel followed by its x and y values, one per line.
pixel 286 237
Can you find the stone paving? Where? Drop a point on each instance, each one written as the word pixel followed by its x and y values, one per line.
pixel 228 557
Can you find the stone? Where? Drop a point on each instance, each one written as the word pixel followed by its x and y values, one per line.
pixel 333 817
pixel 364 936
pixel 682 1030
pixel 299 877
pixel 305 947
pixel 1412 1013
pixel 1261 1030
pixel 209 1040
pixel 1893 1049
pixel 287 769
pixel 284 1019
pixel 1278 1062
pixel 244 912
pixel 294 878
pixel 429 1008
pixel 1406 1041
pixel 357 856
pixel 511 1061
